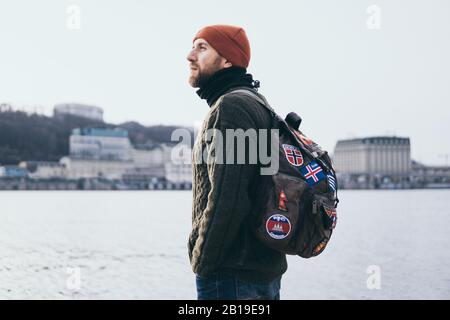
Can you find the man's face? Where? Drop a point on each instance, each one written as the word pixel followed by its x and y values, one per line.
pixel 204 61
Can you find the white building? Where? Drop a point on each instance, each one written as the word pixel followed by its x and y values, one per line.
pixel 178 173
pixel 171 162
pixel 100 144
pixel 98 153
pixel 84 168
pixel 373 156
pixel 151 157
pixel 44 169
pixel 80 110
pixel 179 166
pixel 108 153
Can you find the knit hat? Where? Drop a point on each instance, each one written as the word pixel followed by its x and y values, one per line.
pixel 229 41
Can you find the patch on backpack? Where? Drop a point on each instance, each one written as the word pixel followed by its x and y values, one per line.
pixel 331 182
pixel 332 217
pixel 282 199
pixel 278 226
pixel 293 155
pixel 313 173
pixel 304 139
pixel 319 248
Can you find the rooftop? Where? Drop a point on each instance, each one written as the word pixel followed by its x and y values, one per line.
pixel 101 132
pixel 378 140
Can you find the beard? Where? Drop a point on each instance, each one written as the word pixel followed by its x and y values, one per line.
pixel 203 75
pixel 199 80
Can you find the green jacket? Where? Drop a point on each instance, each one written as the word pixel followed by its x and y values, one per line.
pixel 222 238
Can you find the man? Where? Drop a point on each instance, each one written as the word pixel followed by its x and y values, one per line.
pixel 229 262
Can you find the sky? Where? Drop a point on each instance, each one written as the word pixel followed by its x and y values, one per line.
pixel 350 68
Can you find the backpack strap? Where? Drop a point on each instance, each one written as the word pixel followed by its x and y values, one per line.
pixel 261 99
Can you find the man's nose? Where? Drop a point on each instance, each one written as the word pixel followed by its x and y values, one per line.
pixel 191 56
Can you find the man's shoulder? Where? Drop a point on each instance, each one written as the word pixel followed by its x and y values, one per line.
pixel 239 97
pixel 244 107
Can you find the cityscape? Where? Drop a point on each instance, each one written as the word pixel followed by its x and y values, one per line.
pixel 105 159
pixel 102 159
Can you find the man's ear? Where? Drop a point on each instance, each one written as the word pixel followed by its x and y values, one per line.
pixel 227 64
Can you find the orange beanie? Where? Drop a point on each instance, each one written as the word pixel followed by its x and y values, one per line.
pixel 229 41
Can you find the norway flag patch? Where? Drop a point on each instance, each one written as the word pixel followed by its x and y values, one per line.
pixel 293 155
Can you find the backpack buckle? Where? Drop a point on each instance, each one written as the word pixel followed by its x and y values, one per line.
pixel 315 207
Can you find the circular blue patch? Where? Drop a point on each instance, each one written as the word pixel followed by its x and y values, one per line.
pixel 278 226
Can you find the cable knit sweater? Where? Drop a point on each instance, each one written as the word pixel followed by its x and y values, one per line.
pixel 224 199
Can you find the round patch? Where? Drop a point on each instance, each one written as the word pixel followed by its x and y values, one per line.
pixel 278 226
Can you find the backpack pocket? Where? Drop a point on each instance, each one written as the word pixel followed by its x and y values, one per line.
pixel 277 227
pixel 294 217
pixel 318 220
pixel 329 216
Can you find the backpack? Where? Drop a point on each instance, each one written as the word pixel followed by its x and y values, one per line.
pixel 295 210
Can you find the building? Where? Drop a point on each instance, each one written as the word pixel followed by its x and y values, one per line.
pixel 373 162
pixel 179 167
pixel 13 172
pixel 100 144
pixel 108 154
pixel 98 153
pixel 373 156
pixel 154 156
pixel 424 176
pixel 143 177
pixel 178 173
pixel 160 163
pixel 78 168
pixel 79 110
pixel 44 169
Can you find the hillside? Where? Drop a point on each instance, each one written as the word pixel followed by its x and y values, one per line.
pixel 26 136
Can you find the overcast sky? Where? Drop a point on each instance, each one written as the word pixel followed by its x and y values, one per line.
pixel 346 68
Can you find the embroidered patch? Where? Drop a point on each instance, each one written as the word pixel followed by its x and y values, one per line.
pixel 278 226
pixel 306 140
pixel 313 173
pixel 319 248
pixel 282 199
pixel 331 182
pixel 293 155
pixel 331 213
